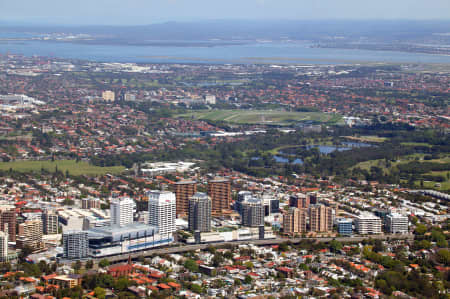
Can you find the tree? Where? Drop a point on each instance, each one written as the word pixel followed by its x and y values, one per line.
pixel 237 282
pixel 248 279
pixel 383 286
pixel 211 249
pixel 89 264
pixel 196 288
pixel 439 238
pixel 283 247
pixel 217 259
pixel 191 265
pixel 444 256
pixel 335 245
pixel 5 267
pixel 122 284
pixel 378 247
pixel 249 265
pixel 103 263
pixel 26 251
pixel 424 244
pixel 77 265
pixel 100 293
pixel 420 229
pixel 228 255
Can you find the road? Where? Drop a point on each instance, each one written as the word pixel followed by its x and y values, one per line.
pixel 186 248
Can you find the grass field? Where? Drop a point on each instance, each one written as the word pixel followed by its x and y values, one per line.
pixel 404 159
pixel 367 138
pixel 415 144
pixel 74 168
pixel 262 116
pixel 444 186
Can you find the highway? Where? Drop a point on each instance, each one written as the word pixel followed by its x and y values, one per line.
pixel 185 248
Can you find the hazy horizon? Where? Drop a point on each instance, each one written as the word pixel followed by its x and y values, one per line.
pixel 144 12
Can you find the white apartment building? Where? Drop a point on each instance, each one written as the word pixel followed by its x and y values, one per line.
pixel 367 223
pixel 75 244
pixel 50 223
pixel 3 246
pixel 162 211
pixel 108 95
pixel 396 223
pixel 122 211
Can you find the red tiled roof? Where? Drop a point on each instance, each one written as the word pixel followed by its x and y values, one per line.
pixel 120 268
pixel 50 276
pixel 284 269
pixel 174 284
pixel 163 286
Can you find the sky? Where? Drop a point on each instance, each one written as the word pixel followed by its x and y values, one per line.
pixel 139 12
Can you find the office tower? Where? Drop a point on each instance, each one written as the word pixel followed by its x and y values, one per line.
pixel 162 211
pixel 3 246
pixel 396 223
pixel 344 226
pixel 122 211
pixel 50 222
pixel 252 212
pixel 8 222
pixel 367 223
pixel 75 244
pixel 294 221
pixel 320 218
pixel 30 234
pixel 108 95
pixel 241 197
pixel 219 190
pixel 184 190
pixel 200 212
pixel 299 201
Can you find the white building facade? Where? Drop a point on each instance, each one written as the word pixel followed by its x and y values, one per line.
pixel 396 223
pixel 367 223
pixel 3 246
pixel 162 211
pixel 75 244
pixel 122 211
